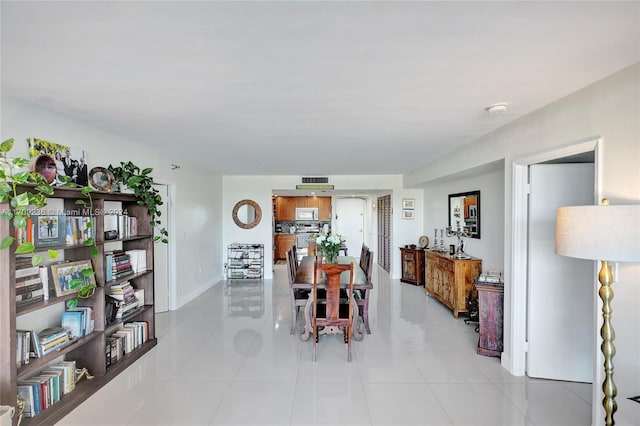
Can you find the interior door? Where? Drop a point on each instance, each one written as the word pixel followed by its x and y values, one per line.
pixel 561 290
pixel 350 223
pixel 161 257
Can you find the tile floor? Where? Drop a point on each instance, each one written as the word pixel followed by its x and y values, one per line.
pixel 227 359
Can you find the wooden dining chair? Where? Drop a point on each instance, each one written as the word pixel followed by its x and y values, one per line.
pixel 362 296
pixel 298 296
pixel 334 313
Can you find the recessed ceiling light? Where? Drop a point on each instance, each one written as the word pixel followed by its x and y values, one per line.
pixel 498 108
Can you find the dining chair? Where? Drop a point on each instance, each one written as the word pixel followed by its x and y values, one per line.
pixel 362 296
pixel 334 313
pixel 298 296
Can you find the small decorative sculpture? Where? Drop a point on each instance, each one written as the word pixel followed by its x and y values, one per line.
pixel 460 232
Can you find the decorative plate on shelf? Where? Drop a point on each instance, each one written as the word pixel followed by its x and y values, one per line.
pixel 101 179
pixel 423 242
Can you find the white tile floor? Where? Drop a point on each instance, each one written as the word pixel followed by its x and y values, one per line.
pixel 227 359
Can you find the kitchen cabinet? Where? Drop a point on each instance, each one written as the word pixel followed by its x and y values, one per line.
pixel 286 209
pixel 412 261
pixel 324 209
pixel 283 242
pixel 450 280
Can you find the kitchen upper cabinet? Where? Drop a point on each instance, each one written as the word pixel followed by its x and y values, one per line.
pixel 286 209
pixel 324 208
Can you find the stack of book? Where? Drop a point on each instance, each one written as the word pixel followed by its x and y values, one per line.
pixel 127 338
pixel 126 299
pixel 78 229
pixel 48 340
pixel 45 389
pixel 125 225
pixel 138 259
pixel 78 321
pixel 118 265
pixel 23 347
pixel 493 277
pixel 29 288
pixel 25 235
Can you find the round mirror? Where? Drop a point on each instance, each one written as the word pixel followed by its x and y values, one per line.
pixel 247 214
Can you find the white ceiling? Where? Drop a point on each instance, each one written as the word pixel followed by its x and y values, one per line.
pixel 308 88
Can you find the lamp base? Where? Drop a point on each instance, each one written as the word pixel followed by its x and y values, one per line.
pixel 608 348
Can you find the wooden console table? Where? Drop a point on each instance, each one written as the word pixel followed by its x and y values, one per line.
pixel 450 280
pixel 490 305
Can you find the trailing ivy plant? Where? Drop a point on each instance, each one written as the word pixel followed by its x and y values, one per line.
pixel 13 175
pixel 34 193
pixel 141 183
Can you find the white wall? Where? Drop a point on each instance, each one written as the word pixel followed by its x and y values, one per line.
pixel 198 229
pixel 489 247
pixel 259 189
pixel 609 109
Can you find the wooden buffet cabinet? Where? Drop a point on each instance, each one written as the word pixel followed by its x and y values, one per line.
pixel 450 280
pixel 412 261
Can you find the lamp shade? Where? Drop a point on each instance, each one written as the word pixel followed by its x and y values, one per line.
pixel 607 232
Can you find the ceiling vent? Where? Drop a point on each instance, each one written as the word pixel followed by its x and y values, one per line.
pixel 315 179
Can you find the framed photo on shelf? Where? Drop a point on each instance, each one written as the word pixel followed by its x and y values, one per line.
pixel 408 214
pixel 409 203
pixel 49 230
pixel 68 162
pixel 70 277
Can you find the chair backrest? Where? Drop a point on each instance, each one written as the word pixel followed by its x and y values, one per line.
pixel 363 256
pixel 332 298
pixel 291 266
pixel 368 270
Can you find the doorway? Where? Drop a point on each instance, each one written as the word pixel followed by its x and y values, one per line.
pixel 559 307
pixel 516 323
pixel 164 256
pixel 349 222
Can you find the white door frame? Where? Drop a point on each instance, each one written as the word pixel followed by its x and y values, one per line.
pixel 519 224
pixel 170 225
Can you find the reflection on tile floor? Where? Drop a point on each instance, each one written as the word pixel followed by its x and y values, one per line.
pixel 227 359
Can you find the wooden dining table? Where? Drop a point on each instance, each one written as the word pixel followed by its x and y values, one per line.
pixel 304 280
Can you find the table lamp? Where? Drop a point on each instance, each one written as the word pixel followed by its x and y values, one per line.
pixel 606 233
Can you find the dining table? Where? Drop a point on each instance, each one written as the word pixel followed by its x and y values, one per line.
pixel 361 285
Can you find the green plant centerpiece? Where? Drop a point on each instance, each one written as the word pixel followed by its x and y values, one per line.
pixel 140 181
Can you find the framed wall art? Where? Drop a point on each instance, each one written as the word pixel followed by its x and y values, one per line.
pixel 408 214
pixel 409 203
pixel 71 277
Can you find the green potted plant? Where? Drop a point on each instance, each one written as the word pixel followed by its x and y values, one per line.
pixel 140 182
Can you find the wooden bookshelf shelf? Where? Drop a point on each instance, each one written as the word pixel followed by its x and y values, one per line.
pixel 87 351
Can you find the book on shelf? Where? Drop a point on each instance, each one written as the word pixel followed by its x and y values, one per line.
pixel 48 340
pixel 29 301
pixel 117 265
pixel 74 323
pixel 46 387
pixel 23 347
pixel 125 225
pixel 78 230
pixel 138 258
pixel 88 316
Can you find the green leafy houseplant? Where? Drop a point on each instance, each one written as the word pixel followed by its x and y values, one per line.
pixel 24 190
pixel 140 181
